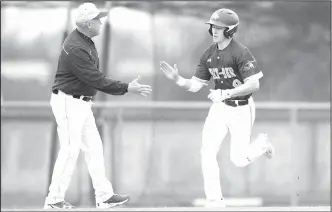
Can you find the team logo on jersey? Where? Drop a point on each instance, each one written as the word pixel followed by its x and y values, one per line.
pixel 209 60
pixel 226 72
pixel 249 65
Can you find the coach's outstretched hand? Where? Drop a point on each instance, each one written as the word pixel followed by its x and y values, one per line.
pixel 170 72
pixel 136 88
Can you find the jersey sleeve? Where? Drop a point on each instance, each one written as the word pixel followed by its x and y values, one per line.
pixel 247 66
pixel 83 67
pixel 202 71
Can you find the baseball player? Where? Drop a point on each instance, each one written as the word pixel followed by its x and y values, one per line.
pixel 76 81
pixel 236 76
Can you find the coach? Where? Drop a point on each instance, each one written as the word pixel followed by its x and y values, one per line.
pixel 77 80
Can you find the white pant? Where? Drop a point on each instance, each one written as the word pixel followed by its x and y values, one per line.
pixel 239 121
pixel 77 130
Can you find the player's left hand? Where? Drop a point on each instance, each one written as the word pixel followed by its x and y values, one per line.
pixel 170 72
pixel 219 95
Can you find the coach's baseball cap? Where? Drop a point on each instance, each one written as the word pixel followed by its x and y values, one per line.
pixel 89 11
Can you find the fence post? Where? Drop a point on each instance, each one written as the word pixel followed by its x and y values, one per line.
pixel 294 193
pixel 313 171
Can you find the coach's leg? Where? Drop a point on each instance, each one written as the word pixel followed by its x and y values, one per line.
pixel 69 115
pixel 94 157
pixel 214 131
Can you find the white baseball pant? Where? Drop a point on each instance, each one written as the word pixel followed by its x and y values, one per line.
pixel 77 131
pixel 220 119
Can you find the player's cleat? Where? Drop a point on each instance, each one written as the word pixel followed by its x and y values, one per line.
pixel 215 204
pixel 59 205
pixel 115 200
pixel 270 151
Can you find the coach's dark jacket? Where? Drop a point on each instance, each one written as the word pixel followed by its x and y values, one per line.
pixel 78 69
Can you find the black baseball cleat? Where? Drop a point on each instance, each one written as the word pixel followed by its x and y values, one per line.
pixel 115 200
pixel 59 205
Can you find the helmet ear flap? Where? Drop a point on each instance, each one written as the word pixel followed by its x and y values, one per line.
pixel 210 30
pixel 230 33
pixel 226 33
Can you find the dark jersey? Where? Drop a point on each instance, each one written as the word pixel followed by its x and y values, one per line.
pixel 78 69
pixel 229 67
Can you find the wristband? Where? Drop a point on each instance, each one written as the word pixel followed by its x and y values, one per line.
pixel 181 81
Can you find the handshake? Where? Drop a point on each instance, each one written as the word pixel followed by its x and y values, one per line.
pixel 173 74
pixel 219 95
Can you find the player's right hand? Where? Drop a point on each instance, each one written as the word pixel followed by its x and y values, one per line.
pixel 135 87
pixel 218 95
pixel 170 72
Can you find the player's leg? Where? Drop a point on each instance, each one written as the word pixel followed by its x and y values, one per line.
pixel 214 131
pixel 240 130
pixel 261 143
pixel 243 152
pixel 93 149
pixel 69 115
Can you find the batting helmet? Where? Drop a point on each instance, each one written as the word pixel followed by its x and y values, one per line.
pixel 225 18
